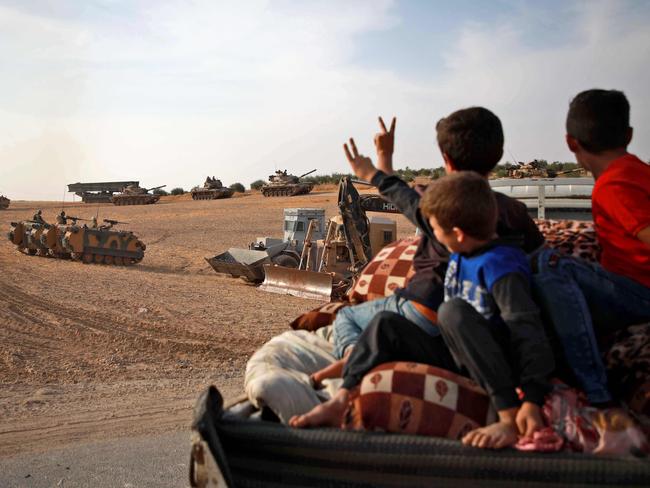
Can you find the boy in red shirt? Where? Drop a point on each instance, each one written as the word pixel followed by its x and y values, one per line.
pixel 585 300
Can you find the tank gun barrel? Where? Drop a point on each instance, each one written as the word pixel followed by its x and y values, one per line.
pixel 308 173
pixel 567 171
pixel 155 188
pixel 114 222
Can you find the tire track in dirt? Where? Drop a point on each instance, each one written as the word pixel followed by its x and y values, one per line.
pixel 30 309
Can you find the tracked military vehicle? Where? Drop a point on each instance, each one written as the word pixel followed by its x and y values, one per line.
pixel 103 245
pixel 135 195
pixel 95 244
pixel 282 184
pixel 26 235
pixel 212 189
pixel 535 169
pixel 4 202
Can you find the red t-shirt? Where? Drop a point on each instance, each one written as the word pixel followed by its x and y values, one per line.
pixel 620 204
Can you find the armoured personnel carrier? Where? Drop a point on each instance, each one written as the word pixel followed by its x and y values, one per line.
pixel 4 202
pixel 212 189
pixel 135 195
pixel 282 184
pixel 103 245
pixel 26 235
pixel 94 244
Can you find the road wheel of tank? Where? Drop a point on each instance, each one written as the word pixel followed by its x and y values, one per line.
pixel 118 261
pixel 41 252
pixel 31 252
pixel 76 256
pixel 87 258
pixel 98 258
pixel 286 261
pixel 108 260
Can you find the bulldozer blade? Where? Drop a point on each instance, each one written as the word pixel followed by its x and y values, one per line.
pixel 243 263
pixel 297 282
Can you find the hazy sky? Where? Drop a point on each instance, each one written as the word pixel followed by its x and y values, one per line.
pixel 167 92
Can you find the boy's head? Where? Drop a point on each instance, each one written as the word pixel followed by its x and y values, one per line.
pixel 471 139
pixel 598 121
pixel 462 210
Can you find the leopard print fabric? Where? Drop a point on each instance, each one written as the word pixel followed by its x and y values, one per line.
pixel 573 237
pixel 628 367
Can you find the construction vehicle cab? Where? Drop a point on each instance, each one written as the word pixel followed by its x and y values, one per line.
pixel 285 251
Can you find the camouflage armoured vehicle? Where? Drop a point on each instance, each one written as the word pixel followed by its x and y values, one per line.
pixel 4 202
pixel 95 244
pixel 26 235
pixel 212 189
pixel 103 245
pixel 283 185
pixel 135 195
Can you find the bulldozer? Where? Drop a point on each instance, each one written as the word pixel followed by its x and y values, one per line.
pixel 317 259
pixel 285 251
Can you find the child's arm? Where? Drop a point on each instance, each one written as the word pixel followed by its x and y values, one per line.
pixel 334 370
pixel 530 347
pixel 391 187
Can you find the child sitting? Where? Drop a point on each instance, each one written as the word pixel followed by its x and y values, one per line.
pixel 586 301
pixel 470 139
pixel 489 320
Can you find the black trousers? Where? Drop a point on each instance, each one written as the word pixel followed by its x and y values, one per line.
pixel 391 337
pixel 467 346
pixel 481 350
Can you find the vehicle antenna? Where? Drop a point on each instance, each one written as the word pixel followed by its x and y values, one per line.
pixel 514 160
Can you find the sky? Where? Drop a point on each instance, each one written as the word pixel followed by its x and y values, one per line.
pixel 168 92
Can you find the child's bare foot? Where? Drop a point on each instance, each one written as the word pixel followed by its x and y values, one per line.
pixel 328 414
pixel 494 436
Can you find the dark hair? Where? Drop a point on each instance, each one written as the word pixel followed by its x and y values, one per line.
pixel 464 200
pixel 599 120
pixel 472 138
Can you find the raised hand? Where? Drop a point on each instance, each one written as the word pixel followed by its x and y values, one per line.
pixel 361 165
pixel 385 144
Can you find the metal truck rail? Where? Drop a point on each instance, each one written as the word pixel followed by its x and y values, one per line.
pixel 550 197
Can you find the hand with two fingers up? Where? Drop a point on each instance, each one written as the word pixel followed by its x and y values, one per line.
pixel 384 143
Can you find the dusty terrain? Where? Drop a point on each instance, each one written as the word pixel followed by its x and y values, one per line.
pixel 89 352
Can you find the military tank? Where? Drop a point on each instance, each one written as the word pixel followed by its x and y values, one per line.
pixel 212 189
pixel 282 184
pixel 94 244
pixel 136 195
pixel 4 202
pixel 535 169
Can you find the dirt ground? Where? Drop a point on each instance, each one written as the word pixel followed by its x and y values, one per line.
pixel 90 352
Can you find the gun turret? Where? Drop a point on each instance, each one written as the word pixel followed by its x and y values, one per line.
pixel 308 173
